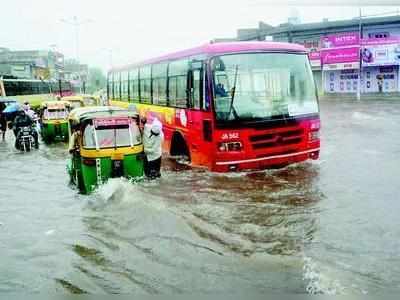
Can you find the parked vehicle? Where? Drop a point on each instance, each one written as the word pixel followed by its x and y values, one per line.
pixel 105 142
pixel 54 121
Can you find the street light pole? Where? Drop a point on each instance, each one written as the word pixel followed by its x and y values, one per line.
pixel 76 23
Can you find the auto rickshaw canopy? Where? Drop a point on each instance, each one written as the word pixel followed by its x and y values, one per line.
pixel 55 104
pixel 80 114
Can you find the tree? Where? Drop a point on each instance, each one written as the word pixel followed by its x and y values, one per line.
pixel 96 81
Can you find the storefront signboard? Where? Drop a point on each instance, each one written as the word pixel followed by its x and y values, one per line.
pixel 380 52
pixel 340 40
pixel 340 55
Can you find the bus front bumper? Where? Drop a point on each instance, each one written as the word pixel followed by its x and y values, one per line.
pixel 266 162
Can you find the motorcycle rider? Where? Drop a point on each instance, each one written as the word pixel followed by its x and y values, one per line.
pixel 24 120
pixel 32 114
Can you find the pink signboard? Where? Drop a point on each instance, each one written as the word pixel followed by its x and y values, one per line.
pixel 380 41
pixel 340 40
pixel 111 121
pixel 340 55
pixel 315 55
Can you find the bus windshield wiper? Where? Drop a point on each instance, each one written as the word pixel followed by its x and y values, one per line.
pixel 233 90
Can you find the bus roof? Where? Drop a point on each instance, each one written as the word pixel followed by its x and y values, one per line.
pixel 220 48
pixel 28 80
pixel 83 113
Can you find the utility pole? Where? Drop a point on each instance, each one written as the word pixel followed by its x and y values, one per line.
pixel 76 23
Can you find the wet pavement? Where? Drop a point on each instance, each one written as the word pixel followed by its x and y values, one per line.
pixel 328 226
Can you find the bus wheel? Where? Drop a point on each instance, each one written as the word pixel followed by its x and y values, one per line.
pixel 179 149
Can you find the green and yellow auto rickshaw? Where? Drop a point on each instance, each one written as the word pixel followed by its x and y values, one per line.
pixel 54 121
pixel 105 142
pixel 82 100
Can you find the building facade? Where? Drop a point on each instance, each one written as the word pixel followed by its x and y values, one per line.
pixel 77 74
pixel 35 64
pixel 361 54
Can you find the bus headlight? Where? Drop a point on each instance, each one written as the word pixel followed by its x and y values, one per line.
pixel 230 146
pixel 315 125
pixel 313 136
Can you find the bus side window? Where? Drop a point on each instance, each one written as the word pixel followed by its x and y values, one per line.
pixel 159 83
pixel 133 85
pixel 177 83
pixel 195 84
pixel 206 96
pixel 145 84
pixel 124 86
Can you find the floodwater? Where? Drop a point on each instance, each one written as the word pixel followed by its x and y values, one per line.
pixel 330 226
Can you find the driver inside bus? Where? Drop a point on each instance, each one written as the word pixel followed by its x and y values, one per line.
pixel 220 90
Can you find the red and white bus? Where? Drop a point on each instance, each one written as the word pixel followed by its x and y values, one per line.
pixel 228 106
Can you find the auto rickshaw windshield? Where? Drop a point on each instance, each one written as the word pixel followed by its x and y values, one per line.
pixel 54 114
pixel 102 137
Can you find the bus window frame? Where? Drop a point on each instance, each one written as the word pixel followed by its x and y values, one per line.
pixel 141 99
pixel 189 82
pixel 190 86
pixel 134 95
pixel 162 64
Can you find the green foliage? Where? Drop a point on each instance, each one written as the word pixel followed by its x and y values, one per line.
pixel 96 81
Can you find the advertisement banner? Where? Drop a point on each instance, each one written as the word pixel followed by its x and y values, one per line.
pixel 315 59
pixel 340 40
pixel 342 66
pixel 380 41
pixel 381 52
pixel 341 55
pixel 315 55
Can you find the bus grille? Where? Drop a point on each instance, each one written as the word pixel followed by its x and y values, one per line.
pixel 277 139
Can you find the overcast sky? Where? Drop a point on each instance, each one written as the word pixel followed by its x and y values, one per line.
pixel 133 30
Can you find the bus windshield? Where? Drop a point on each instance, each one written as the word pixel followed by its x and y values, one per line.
pixel 257 86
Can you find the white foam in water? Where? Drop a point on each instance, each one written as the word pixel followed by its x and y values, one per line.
pixel 50 232
pixel 363 116
pixel 318 283
pixel 121 191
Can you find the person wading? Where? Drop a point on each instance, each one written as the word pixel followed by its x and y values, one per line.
pixel 3 121
pixel 152 142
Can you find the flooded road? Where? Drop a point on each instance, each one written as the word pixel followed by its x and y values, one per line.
pixel 330 226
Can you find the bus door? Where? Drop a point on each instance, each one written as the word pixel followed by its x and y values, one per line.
pixel 199 120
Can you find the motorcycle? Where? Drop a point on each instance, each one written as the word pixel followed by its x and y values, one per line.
pixel 25 140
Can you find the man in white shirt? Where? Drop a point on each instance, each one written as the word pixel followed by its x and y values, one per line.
pixel 152 142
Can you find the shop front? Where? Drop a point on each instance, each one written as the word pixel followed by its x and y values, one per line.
pixel 340 59
pixel 380 65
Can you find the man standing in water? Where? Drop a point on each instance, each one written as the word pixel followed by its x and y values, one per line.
pixel 152 142
pixel 3 120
